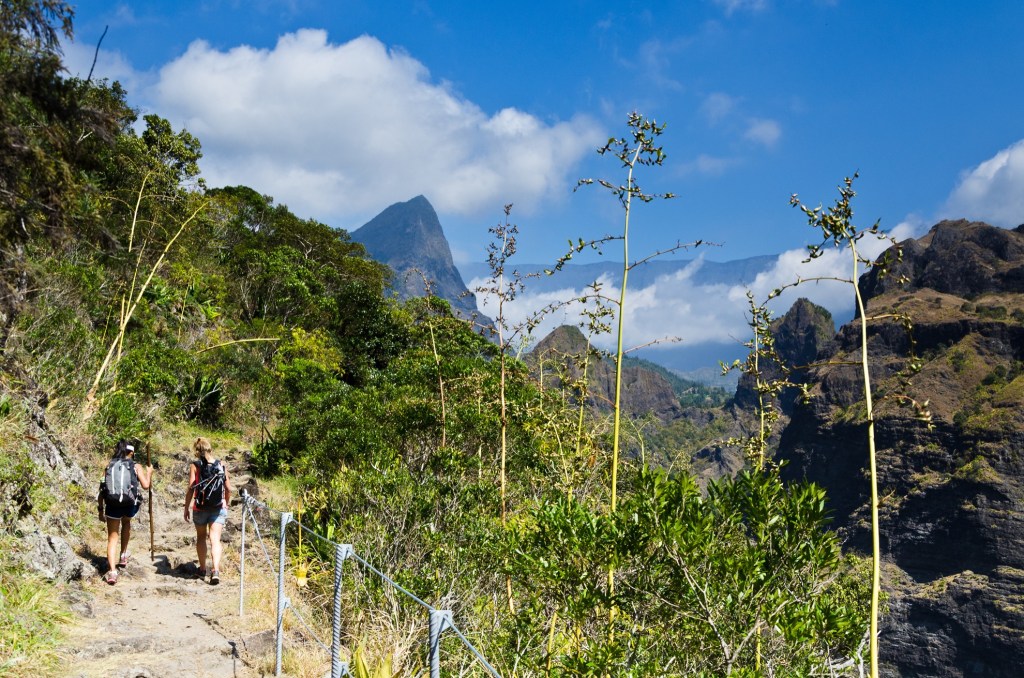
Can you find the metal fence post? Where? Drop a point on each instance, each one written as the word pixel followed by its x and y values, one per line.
pixel 241 558
pixel 282 602
pixel 439 620
pixel 341 553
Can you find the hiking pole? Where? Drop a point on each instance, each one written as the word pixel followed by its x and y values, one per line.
pixel 149 463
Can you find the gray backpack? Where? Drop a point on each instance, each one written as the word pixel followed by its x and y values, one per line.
pixel 121 483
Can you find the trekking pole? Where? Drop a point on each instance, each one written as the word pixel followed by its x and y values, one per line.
pixel 149 463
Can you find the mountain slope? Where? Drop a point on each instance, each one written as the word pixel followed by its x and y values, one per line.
pixel 952 524
pixel 644 390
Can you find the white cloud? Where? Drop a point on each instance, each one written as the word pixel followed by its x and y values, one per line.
pixel 111 65
pixel 656 57
pixel 993 191
pixel 913 226
pixel 677 305
pixel 764 132
pixel 338 132
pixel 708 165
pixel 732 6
pixel 716 106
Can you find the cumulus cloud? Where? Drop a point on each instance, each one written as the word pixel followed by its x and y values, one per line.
pixel 111 65
pixel 993 191
pixel 669 308
pixel 340 131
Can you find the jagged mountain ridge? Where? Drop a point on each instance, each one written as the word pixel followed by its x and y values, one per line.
pixel 952 524
pixel 408 237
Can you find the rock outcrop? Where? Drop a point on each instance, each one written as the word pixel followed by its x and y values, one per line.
pixel 803 335
pixel 952 496
pixel 41 548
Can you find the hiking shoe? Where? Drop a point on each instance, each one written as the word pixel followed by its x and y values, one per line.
pixel 201 573
pixel 111 577
pixel 215 577
pixel 124 560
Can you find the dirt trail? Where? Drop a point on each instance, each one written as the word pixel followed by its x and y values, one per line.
pixel 160 620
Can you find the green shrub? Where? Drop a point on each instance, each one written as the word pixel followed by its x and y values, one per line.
pixel 17 478
pixel 120 416
pixel 958 359
pixel 993 312
pixel 153 368
pixel 200 398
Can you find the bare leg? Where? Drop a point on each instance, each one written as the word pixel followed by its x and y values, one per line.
pixel 126 534
pixel 201 545
pixel 215 545
pixel 113 530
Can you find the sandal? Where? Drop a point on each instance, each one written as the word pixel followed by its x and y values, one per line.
pixel 124 560
pixel 111 577
pixel 215 577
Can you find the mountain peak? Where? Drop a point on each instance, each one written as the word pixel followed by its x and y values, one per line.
pixel 407 236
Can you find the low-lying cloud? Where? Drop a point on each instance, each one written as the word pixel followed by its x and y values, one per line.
pixel 677 305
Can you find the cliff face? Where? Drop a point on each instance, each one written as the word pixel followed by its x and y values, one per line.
pixel 952 497
pixel 803 334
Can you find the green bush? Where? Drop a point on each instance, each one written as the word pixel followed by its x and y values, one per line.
pixel 17 480
pixel 120 415
pixel 152 368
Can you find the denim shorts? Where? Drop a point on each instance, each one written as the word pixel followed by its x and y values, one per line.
pixel 116 512
pixel 200 517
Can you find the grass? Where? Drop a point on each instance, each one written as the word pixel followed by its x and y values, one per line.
pixel 31 620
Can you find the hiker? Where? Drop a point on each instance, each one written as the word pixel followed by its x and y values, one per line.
pixel 209 491
pixel 119 500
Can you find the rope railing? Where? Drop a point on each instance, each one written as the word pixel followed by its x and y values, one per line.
pixel 439 620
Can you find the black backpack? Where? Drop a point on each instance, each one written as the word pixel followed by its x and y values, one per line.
pixel 209 490
pixel 121 483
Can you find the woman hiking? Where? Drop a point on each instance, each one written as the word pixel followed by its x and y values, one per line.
pixel 119 501
pixel 207 497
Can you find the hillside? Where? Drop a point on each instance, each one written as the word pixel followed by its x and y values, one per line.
pixel 139 302
pixel 952 524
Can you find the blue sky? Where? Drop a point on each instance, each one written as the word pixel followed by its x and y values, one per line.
pixel 340 108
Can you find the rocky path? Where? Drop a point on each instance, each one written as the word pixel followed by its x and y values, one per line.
pixel 160 620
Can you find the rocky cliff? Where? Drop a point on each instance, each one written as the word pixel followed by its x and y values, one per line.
pixel 952 496
pixel 802 336
pixel 407 236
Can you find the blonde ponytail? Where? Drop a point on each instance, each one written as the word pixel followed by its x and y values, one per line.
pixel 202 448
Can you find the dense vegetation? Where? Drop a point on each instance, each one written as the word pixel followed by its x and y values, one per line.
pixel 135 296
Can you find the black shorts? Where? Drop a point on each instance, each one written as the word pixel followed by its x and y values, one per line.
pixel 118 512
